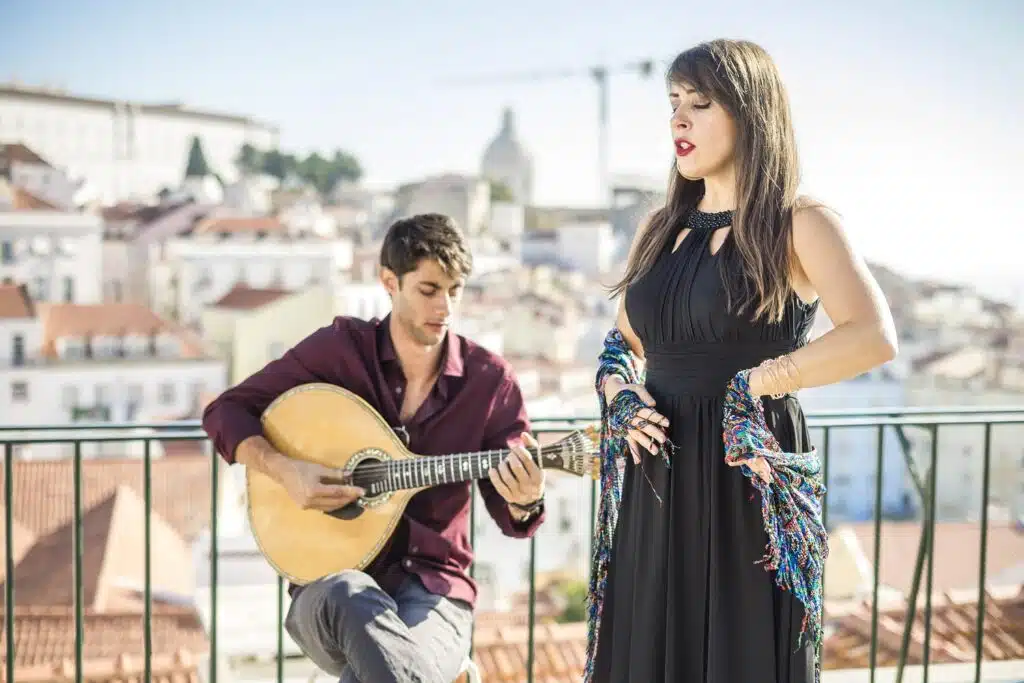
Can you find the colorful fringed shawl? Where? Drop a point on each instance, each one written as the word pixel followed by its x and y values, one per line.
pixel 615 359
pixel 790 504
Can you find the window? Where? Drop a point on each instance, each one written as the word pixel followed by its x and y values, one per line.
pixel 69 289
pixel 69 396
pixel 167 393
pixel 19 392
pixel 18 349
pixel 6 252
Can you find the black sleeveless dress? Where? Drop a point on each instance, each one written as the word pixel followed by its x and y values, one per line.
pixel 685 601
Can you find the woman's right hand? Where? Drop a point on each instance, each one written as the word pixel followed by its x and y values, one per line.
pixel 650 436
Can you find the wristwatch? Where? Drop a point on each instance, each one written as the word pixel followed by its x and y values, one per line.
pixel 531 509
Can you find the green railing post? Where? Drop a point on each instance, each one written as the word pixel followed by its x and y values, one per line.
pixel 147 627
pixel 280 629
pixel 979 636
pixel 9 557
pixel 932 483
pixel 214 457
pixel 879 472
pixel 472 564
pixel 79 607
pixel 532 609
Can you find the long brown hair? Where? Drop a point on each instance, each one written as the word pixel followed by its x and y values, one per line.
pixel 743 79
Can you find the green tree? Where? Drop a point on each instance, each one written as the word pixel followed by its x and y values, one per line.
pixel 197 166
pixel 500 192
pixel 575 595
pixel 249 159
pixel 277 164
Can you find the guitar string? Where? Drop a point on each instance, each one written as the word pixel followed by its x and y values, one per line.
pixel 432 460
pixel 429 462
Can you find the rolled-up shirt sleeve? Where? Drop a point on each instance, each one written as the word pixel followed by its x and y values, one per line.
pixel 505 425
pixel 234 416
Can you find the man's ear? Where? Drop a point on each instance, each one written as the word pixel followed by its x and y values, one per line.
pixel 390 281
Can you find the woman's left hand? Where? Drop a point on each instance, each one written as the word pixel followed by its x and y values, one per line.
pixel 758 464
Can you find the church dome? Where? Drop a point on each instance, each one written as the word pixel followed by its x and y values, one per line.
pixel 506 160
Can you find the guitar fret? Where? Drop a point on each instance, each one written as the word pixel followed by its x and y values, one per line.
pixel 427 471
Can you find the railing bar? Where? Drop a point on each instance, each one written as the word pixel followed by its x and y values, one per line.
pixel 532 610
pixel 280 629
pixel 215 480
pixel 78 547
pixel 472 564
pixel 9 558
pixel 979 631
pixel 147 632
pixel 879 472
pixel 932 484
pixel 1016 418
pixel 541 421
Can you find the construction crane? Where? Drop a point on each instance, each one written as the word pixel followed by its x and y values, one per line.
pixel 599 73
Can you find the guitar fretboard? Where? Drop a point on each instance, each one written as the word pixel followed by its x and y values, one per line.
pixel 380 477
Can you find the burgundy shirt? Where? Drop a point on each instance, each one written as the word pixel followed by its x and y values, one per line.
pixel 476 404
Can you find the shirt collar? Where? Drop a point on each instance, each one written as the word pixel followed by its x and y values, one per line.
pixel 454 363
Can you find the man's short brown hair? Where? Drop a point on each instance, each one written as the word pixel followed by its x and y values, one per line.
pixel 425 236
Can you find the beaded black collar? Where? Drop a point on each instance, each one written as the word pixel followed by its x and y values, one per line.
pixel 700 220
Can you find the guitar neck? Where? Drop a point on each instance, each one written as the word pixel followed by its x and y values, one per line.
pixel 419 472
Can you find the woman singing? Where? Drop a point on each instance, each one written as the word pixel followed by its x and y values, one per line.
pixel 720 290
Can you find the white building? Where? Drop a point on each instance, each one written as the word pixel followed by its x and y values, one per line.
pixel 27 170
pixel 364 300
pixel 466 199
pixel 189 273
pixel 588 247
pixel 57 254
pixel 124 149
pixel 62 363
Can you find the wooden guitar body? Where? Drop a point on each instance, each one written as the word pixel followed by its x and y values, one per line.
pixel 318 423
pixel 332 426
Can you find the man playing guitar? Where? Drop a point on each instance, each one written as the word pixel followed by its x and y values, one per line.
pixel 408 616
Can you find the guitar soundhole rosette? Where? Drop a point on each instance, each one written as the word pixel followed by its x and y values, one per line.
pixel 371 500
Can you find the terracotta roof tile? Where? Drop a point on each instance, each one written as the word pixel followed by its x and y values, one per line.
pixel 44 499
pixel 23 200
pixel 500 649
pixel 22 539
pixel 112 560
pixel 244 298
pixel 114 319
pixel 239 225
pixel 15 302
pixel 953 626
pixel 18 152
pixel 559 652
pixel 957 550
pixel 45 636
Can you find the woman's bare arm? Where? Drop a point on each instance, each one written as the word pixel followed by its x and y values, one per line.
pixel 827 266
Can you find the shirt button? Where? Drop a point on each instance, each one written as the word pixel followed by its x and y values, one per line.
pixel 408 563
pixel 398 390
pixel 415 549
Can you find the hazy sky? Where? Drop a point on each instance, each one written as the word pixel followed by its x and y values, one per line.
pixel 908 113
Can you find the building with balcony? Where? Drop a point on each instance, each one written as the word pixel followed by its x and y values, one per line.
pixel 56 253
pixel 65 363
pixel 220 252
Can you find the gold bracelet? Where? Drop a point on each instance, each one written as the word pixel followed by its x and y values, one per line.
pixel 779 376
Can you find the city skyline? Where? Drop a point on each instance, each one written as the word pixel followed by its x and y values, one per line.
pixel 878 124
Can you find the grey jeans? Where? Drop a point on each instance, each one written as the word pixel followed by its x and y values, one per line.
pixel 349 627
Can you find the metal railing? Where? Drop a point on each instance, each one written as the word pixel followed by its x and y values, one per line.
pixel 931 420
